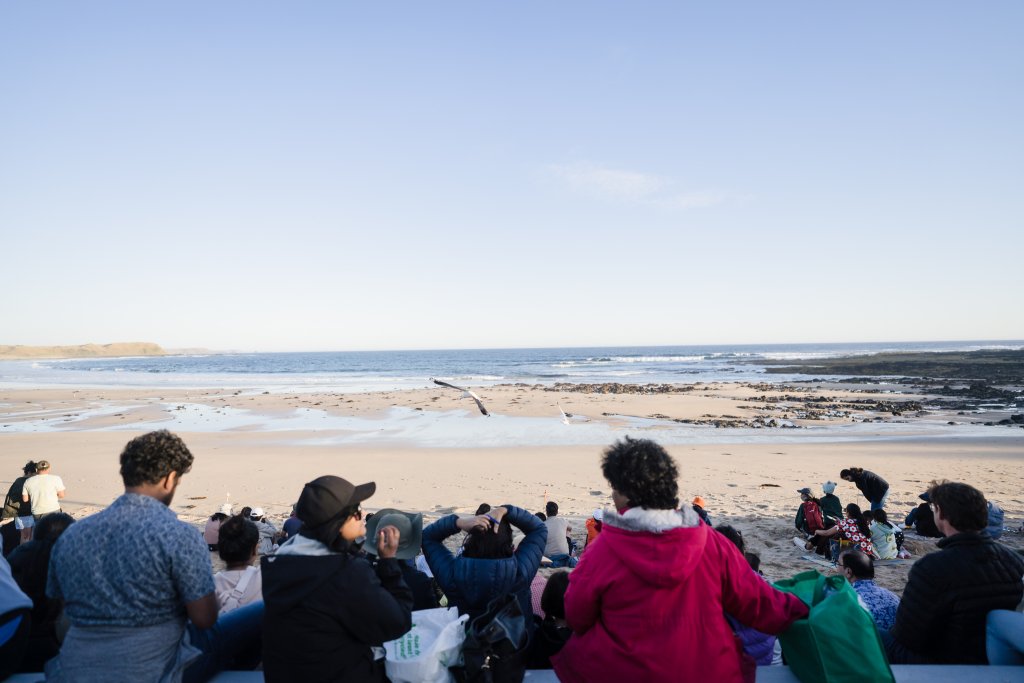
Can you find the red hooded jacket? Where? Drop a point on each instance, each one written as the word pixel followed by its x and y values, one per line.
pixel 647 602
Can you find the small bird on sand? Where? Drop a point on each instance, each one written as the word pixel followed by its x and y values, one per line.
pixel 565 415
pixel 466 393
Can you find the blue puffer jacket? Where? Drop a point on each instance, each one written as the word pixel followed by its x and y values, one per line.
pixel 471 583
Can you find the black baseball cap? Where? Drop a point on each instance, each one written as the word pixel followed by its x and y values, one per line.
pixel 325 497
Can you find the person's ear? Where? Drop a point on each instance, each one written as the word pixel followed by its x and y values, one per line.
pixel 170 481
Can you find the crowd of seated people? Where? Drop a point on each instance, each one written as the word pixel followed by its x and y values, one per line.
pixel 659 594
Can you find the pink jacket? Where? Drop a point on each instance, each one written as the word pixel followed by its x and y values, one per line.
pixel 646 603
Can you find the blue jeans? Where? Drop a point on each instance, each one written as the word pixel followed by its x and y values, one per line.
pixel 1004 637
pixel 880 505
pixel 234 642
pixel 562 560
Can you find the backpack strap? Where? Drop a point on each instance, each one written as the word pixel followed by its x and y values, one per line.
pixel 234 598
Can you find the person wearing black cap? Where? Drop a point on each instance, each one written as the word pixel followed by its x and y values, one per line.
pixel 328 611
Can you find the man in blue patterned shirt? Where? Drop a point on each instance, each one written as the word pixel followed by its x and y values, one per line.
pixel 859 570
pixel 131 575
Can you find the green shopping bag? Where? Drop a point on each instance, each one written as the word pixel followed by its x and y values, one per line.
pixel 838 641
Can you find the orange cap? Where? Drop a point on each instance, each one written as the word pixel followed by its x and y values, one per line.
pixel 698 501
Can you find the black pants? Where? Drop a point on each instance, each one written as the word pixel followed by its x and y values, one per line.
pixel 12 651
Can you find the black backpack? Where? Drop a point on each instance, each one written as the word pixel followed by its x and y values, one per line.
pixel 495 646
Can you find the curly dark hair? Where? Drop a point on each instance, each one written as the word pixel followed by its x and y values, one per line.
pixel 237 540
pixel 642 471
pixel 149 458
pixel 962 505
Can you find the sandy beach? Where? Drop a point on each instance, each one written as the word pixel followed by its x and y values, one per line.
pixel 431 451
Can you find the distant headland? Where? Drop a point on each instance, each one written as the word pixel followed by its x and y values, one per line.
pixel 118 349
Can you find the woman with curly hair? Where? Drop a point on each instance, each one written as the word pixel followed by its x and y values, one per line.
pixel 648 601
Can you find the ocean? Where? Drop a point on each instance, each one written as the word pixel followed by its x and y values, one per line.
pixel 362 371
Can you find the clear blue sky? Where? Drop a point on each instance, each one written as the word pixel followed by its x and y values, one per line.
pixel 330 176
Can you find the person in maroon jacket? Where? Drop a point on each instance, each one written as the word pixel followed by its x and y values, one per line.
pixel 647 601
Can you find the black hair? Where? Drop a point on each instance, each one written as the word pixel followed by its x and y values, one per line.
pixel 245 512
pixel 541 516
pixel 551 508
pixel 483 509
pixel 238 538
pixel 218 517
pixel 754 560
pixel 482 543
pixel 552 600
pixel 881 517
pixel 962 505
pixel 733 534
pixel 149 458
pixel 854 513
pixel 852 472
pixel 861 564
pixel 50 527
pixel 29 468
pixel 643 472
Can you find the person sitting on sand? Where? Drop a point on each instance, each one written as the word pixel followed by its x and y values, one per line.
pixel 241 582
pixel 831 507
pixel 211 532
pixel 410 534
pixel 923 519
pixel 883 535
pixel 557 548
pixel 328 610
pixel 852 531
pixel 874 488
pixel 859 570
pixel 551 631
pixel 291 525
pixel 268 532
pixel 648 602
pixel 809 516
pixel 30 568
pixel 593 527
pixel 761 647
pixel 489 565
pixel 699 506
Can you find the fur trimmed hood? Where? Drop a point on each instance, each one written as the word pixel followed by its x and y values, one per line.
pixel 653 521
pixel 661 547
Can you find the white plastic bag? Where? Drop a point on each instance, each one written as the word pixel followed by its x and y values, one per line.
pixel 432 645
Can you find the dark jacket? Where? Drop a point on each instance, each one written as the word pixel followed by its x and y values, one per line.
pixel 323 613
pixel 831 507
pixel 949 593
pixel 923 520
pixel 871 485
pixel 469 582
pixel 30 568
pixel 14 506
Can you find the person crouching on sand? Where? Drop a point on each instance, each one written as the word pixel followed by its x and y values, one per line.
pixel 648 602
